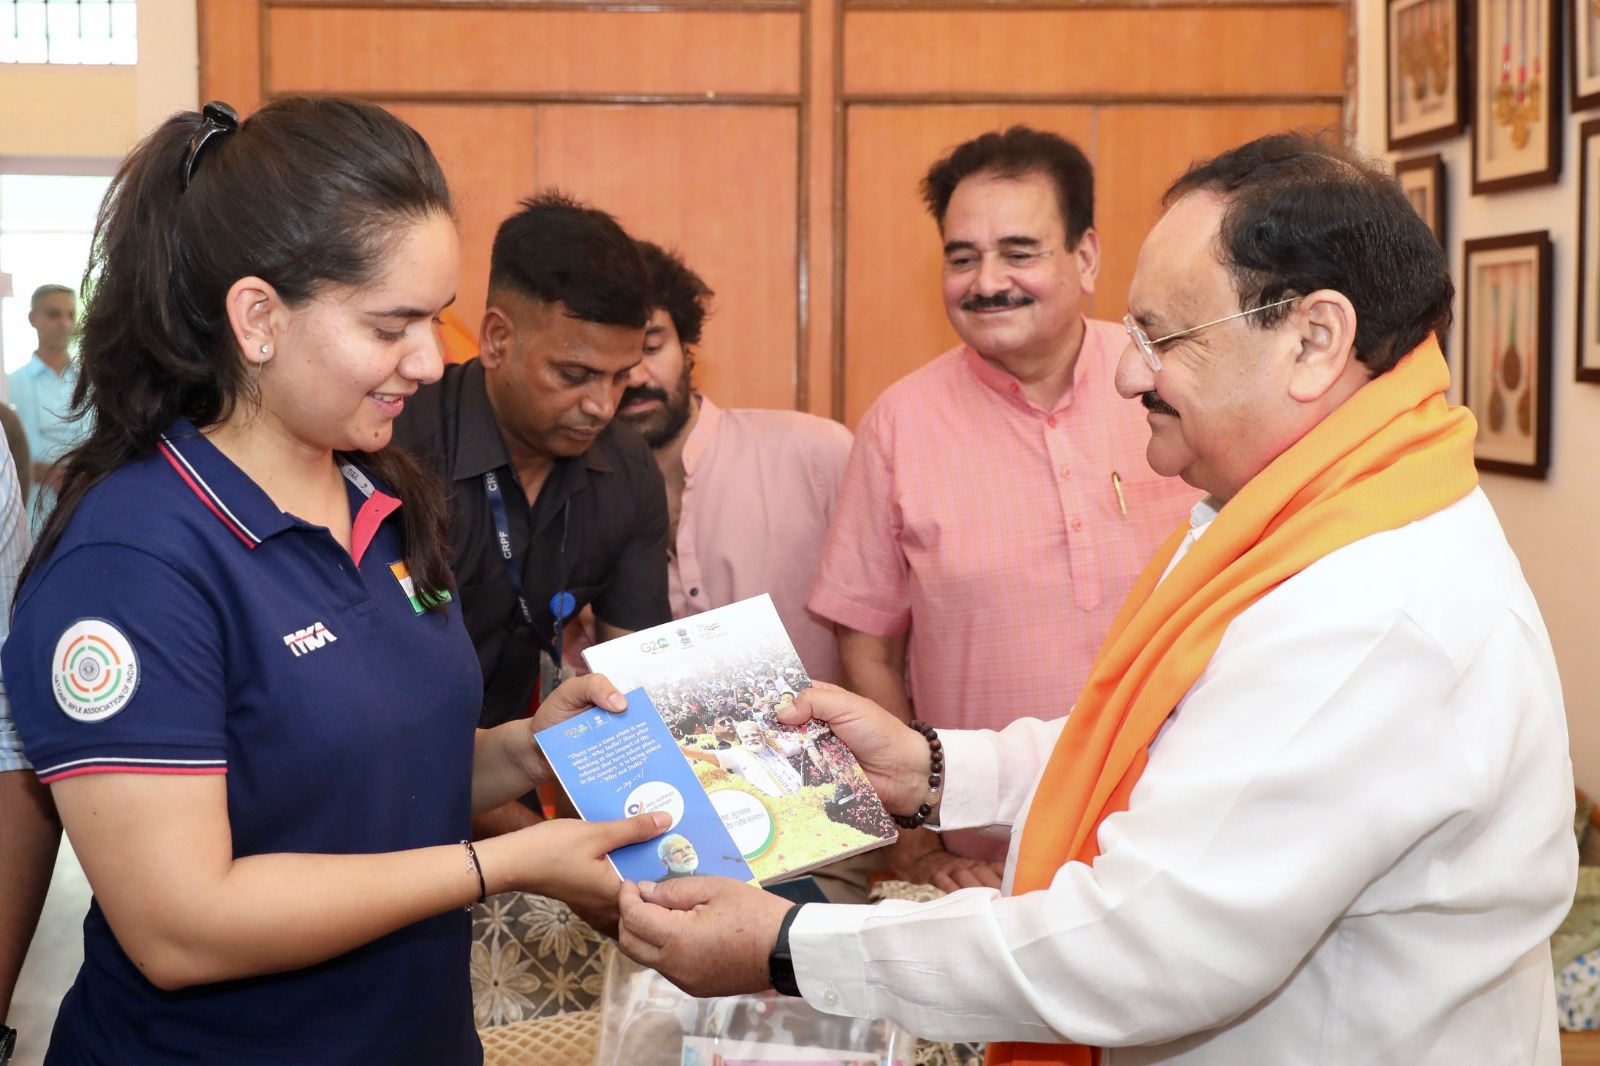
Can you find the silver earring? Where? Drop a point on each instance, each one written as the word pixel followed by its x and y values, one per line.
pixel 266 349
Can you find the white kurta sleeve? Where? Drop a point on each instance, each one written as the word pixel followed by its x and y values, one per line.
pixel 1331 741
pixel 989 774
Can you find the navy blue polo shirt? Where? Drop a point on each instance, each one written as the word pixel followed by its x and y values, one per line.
pixel 185 625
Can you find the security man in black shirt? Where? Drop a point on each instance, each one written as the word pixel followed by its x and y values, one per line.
pixel 530 419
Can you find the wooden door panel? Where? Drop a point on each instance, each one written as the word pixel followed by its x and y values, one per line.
pixel 1141 150
pixel 504 52
pixel 488 155
pixel 719 184
pixel 230 52
pixel 1154 51
pixel 894 318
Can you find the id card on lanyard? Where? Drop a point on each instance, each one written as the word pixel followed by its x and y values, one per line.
pixel 552 671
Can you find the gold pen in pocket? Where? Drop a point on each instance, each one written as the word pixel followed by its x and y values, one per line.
pixel 1116 483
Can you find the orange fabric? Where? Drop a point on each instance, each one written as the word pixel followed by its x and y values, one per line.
pixel 1393 453
pixel 458 341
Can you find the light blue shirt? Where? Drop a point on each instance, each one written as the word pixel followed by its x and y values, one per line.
pixel 43 400
pixel 13 553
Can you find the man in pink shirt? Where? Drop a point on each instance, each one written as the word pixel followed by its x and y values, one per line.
pixel 997 505
pixel 749 493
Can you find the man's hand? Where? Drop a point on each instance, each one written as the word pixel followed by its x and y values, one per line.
pixel 919 857
pixel 710 936
pixel 565 859
pixel 896 759
pixel 949 872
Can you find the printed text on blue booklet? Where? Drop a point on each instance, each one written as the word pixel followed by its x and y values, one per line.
pixel 619 765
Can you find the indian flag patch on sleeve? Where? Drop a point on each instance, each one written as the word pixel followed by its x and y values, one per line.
pixel 402 574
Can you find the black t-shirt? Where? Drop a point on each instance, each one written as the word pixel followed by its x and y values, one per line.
pixel 608 505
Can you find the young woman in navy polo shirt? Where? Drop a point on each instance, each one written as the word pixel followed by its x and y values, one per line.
pixel 234 657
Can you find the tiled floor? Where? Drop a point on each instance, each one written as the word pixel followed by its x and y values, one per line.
pixel 53 960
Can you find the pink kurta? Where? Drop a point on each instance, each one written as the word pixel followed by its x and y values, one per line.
pixel 758 493
pixel 994 529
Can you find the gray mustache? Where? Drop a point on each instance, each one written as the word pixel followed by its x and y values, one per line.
pixel 1152 402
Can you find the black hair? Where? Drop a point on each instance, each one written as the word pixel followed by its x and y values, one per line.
pixel 558 250
pixel 306 193
pixel 677 290
pixel 1017 153
pixel 1303 213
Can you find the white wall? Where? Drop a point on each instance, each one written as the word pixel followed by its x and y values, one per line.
pixel 1551 522
pixel 68 112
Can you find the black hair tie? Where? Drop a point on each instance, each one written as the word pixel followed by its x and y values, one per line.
pixel 219 119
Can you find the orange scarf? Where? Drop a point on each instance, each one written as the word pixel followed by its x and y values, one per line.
pixel 1391 454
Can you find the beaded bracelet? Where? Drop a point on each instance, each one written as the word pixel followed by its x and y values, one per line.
pixel 935 777
pixel 477 868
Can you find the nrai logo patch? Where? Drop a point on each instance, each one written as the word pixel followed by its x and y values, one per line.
pixel 309 639
pixel 95 672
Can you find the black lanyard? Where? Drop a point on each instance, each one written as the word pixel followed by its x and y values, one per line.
pixel 561 604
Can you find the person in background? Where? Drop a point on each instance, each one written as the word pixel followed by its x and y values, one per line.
pixel 236 656
pixel 17 444
pixel 749 491
pixel 29 828
pixel 749 494
pixel 1314 804
pixel 998 505
pixel 553 506
pixel 41 392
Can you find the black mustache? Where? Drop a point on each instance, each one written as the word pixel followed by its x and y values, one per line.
pixel 1152 402
pixel 1000 302
pixel 642 392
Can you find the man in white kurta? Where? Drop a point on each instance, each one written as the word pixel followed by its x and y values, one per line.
pixel 1349 845
pixel 1352 835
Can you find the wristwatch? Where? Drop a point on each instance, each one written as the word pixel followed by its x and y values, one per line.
pixel 8 1043
pixel 780 964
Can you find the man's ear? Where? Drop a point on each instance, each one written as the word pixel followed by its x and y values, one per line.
pixel 494 337
pixel 1326 324
pixel 257 317
pixel 1087 255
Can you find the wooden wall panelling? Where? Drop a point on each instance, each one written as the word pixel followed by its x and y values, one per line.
pixel 1140 150
pixel 894 318
pixel 720 184
pixel 488 152
pixel 822 158
pixel 230 52
pixel 821 250
pixel 506 53
pixel 1175 50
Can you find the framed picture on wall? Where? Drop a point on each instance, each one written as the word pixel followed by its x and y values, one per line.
pixel 1585 38
pixel 1423 50
pixel 1516 127
pixel 1505 351
pixel 1588 302
pixel 1422 180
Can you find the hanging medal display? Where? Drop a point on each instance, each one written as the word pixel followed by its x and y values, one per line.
pixel 1516 142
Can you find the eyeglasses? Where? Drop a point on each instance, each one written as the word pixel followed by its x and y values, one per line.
pixel 219 119
pixel 1148 346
